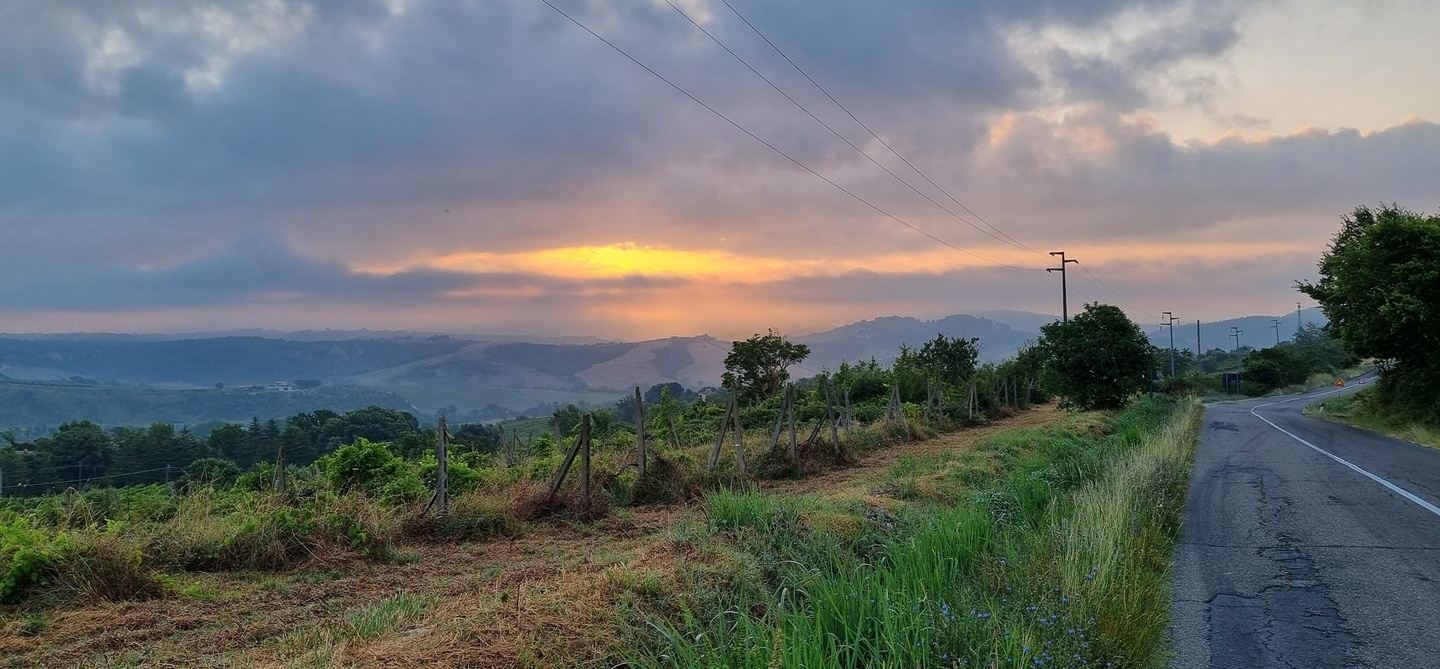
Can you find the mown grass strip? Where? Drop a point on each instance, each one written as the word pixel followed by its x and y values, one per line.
pixel 1055 552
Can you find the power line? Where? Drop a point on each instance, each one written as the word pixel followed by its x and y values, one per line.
pixel 867 128
pixel 1085 273
pixel 833 131
pixel 772 147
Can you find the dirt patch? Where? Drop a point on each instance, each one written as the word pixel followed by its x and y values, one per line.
pixel 545 598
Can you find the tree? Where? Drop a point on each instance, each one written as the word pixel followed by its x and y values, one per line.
pixel 950 359
pixel 760 365
pixel 1380 287
pixel 1098 359
pixel 1273 368
pixel 80 447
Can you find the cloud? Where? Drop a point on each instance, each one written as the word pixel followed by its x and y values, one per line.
pixel 196 155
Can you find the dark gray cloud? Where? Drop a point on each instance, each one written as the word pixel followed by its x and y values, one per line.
pixel 137 135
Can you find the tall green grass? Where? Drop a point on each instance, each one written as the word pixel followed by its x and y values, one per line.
pixel 1046 548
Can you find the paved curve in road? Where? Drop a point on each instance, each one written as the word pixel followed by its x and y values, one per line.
pixel 1289 557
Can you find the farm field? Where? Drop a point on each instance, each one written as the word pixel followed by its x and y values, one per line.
pixel 640 585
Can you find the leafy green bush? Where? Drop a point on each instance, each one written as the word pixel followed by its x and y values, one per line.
pixel 370 467
pixel 26 555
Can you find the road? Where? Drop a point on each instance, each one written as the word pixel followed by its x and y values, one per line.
pixel 1290 558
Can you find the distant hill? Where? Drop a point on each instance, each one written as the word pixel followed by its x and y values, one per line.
pixel 432 370
pixel 36 404
pixel 881 338
pixel 205 362
pixel 1257 331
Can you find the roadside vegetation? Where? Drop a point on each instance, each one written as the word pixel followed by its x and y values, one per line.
pixel 1380 286
pixel 1046 546
pixel 1364 409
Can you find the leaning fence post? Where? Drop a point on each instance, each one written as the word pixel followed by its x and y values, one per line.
pixel 569 460
pixel 780 419
pixel 724 426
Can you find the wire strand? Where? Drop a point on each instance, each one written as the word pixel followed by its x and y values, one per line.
pixel 776 149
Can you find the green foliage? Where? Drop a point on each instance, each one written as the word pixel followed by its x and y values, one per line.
pixel 1002 570
pixel 949 359
pixel 1098 360
pixel 370 467
pixel 26 554
pixel 211 471
pixel 759 366
pixel 1273 368
pixel 1380 287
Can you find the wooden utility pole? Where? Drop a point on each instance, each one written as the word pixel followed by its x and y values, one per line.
pixel 1064 296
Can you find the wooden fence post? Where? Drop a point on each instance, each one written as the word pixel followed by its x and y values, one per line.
pixel 971 403
pixel 780 419
pixel 640 428
pixel 739 436
pixel 794 445
pixel 832 414
pixel 724 426
pixel 440 501
pixel 585 463
pixel 280 467
pixel 569 459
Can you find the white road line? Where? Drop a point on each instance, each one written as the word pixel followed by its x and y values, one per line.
pixel 1393 488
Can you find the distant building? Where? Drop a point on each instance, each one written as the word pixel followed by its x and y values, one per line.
pixel 280 386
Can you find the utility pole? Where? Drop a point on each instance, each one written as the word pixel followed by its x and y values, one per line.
pixel 1064 297
pixel 1275 323
pixel 1197 342
pixel 1170 322
pixel 1235 332
pixel 1297 319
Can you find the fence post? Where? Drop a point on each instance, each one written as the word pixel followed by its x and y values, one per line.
pixel 640 428
pixel 585 464
pixel 739 437
pixel 280 467
pixel 724 426
pixel 849 417
pixel 569 460
pixel 780 419
pixel 832 414
pixel 441 500
pixel 971 403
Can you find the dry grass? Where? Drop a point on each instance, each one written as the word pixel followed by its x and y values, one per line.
pixel 547 597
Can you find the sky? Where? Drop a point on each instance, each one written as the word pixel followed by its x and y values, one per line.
pixel 492 167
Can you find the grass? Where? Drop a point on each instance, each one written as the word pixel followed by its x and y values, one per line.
pixel 317 646
pixel 1361 410
pixel 1040 548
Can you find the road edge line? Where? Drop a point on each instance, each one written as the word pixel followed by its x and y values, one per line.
pixel 1391 486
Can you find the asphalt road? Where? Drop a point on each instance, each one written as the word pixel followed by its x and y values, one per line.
pixel 1290 558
